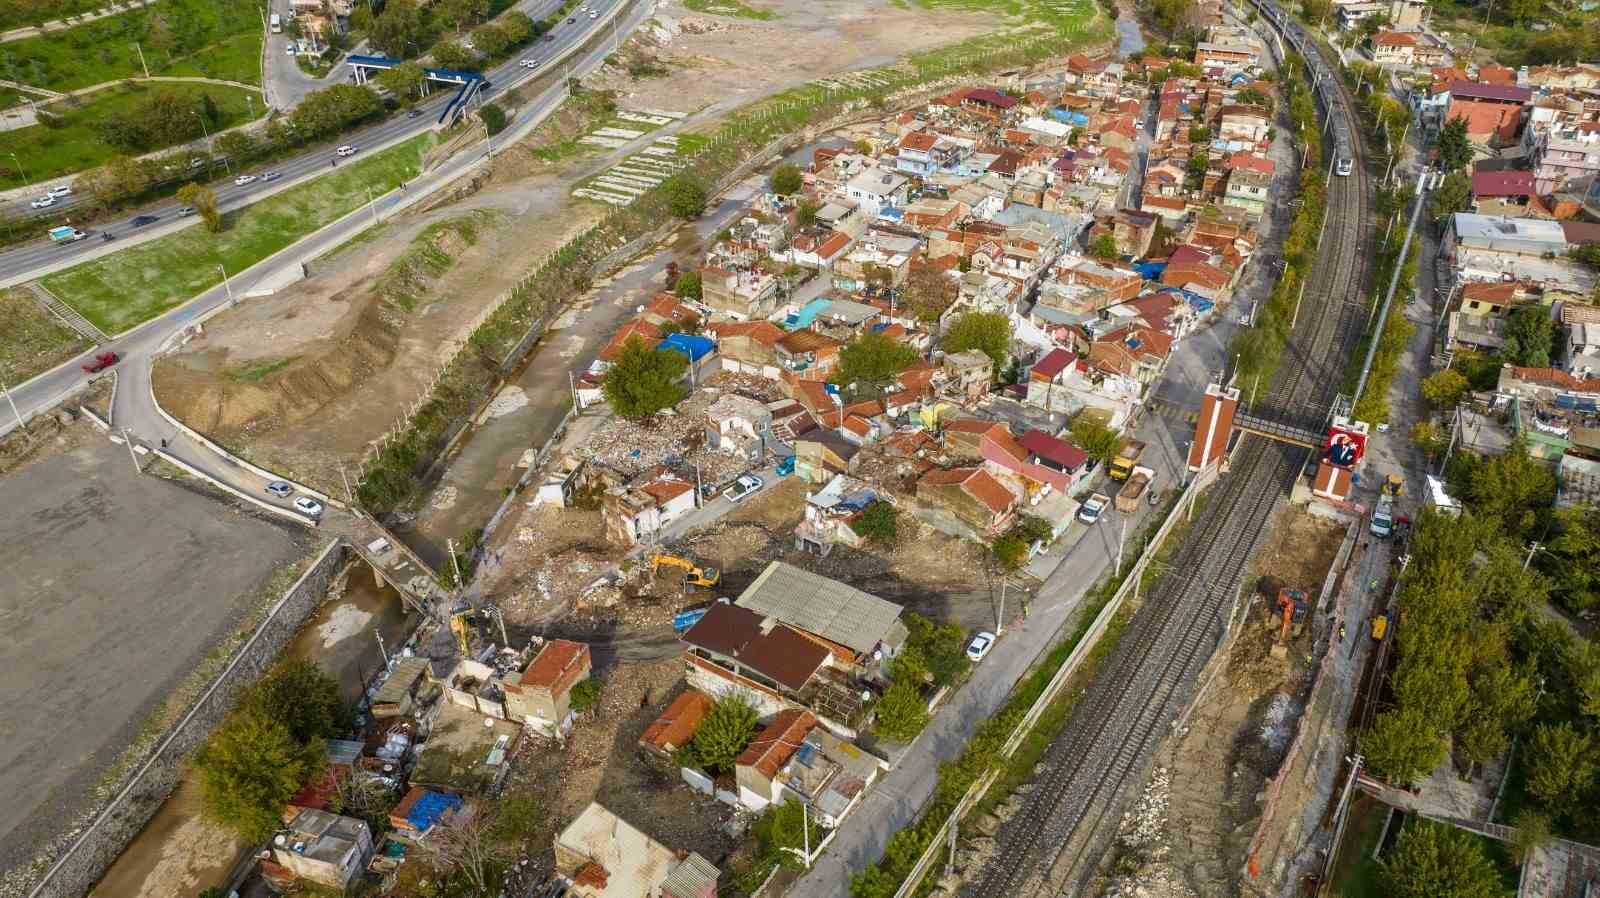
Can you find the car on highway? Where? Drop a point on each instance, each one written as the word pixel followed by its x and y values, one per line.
pixel 43 202
pixel 529 63
pixel 196 163
pixel 280 489
pixel 308 506
pixel 594 15
pixel 1093 507
pixel 243 180
pixel 571 20
pixel 140 221
pixel 60 190
pixel 743 488
pixel 271 176
pixel 184 211
pixel 101 362
pixel 346 150
pixel 413 112
pixel 979 647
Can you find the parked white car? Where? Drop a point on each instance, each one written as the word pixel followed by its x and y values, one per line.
pixel 979 647
pixel 60 190
pixel 743 488
pixel 1093 507
pixel 43 202
pixel 308 506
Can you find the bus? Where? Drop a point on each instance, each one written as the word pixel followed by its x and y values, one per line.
pixel 277 24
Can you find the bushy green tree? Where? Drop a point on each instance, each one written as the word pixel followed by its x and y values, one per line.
pixel 1530 337
pixel 404 81
pixel 781 832
pixel 686 196
pixel 1443 389
pixel 786 179
pixel 1454 149
pixel 1452 195
pixel 1094 437
pixel 724 732
pixel 494 118
pixel 643 380
pixel 871 361
pixel 901 713
pixel 452 55
pixel 1402 745
pixel 1570 559
pixel 1434 860
pixel 250 768
pixel 585 694
pixel 1104 247
pixel 1561 766
pixel 689 286
pixel 987 332
pixel 940 647
pixel 303 697
pixel 204 202
pixel 878 523
pixel 1010 551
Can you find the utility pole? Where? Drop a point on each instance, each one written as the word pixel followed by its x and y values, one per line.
pixel 450 545
pixel 142 63
pixel 1531 549
pixel 226 284
pixel 128 439
pixel 349 496
pixel 384 652
pixel 1000 613
pixel 20 426
pixel 25 182
pixel 372 204
pixel 1121 541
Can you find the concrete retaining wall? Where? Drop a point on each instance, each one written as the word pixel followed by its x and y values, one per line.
pixel 83 862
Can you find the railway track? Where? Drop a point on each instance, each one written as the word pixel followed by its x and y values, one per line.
pixel 1054 843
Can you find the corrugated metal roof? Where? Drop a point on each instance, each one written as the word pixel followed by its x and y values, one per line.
pixel 816 604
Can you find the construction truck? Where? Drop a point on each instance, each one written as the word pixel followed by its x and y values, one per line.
pixel 1128 459
pixel 1393 485
pixel 1138 484
pixel 1293 609
pixel 1380 626
pixel 458 626
pixel 693 574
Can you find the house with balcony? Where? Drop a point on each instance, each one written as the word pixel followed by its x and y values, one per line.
pixel 323 848
pixel 605 856
pixel 1248 189
pixel 1565 156
pixel 742 295
pixel 1393 48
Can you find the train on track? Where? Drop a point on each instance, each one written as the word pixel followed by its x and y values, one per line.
pixel 1323 77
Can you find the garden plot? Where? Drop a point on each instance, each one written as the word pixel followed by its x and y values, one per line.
pixel 624 182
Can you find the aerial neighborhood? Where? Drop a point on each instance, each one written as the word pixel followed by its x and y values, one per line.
pixel 697 448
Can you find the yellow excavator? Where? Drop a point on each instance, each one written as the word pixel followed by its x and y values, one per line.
pixel 693 574
pixel 458 626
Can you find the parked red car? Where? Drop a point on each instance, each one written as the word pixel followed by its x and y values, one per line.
pixel 101 362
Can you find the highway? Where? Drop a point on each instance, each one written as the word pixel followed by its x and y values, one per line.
pixel 38 258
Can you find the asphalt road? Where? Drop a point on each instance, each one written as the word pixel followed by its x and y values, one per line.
pixel 32 260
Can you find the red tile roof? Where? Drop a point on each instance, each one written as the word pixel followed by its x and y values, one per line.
pixel 1503 183
pixel 1393 39
pixel 664 491
pixel 919 140
pixel 1054 449
pixel 1472 90
pixel 764 332
pixel 557 667
pixel 777 742
pixel 977 483
pixel 1054 362
pixel 676 725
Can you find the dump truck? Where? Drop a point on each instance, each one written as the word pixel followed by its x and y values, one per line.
pixel 1134 489
pixel 67 234
pixel 1380 626
pixel 1127 460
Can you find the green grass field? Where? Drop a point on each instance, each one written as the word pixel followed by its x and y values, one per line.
pixel 121 290
pixel 52 152
pixel 31 340
pixel 22 13
pixel 729 8
pixel 211 38
pixel 1060 13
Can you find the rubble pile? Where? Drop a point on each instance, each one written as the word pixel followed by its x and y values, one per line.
pixel 1145 823
pixel 1143 847
pixel 675 440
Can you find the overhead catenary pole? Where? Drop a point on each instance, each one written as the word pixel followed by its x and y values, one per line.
pixel 128 439
pixel 18 415
pixel 226 284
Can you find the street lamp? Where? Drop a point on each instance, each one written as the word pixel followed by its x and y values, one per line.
pixel 25 181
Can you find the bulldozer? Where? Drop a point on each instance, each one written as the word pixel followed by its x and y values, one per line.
pixel 693 574
pixel 1292 610
pixel 1393 485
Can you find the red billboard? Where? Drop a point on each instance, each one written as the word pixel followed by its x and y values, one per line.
pixel 1346 445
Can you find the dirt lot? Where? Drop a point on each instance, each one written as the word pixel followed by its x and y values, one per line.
pixel 722 61
pixel 126 584
pixel 1190 832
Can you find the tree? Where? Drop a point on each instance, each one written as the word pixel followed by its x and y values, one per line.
pixel 1430 438
pixel 1560 766
pixel 940 648
pixel 1170 15
pixel 1435 860
pixel 689 286
pixel 987 332
pixel 1454 149
pixel 643 380
pixel 781 834
pixel 323 113
pixel 870 362
pixel 1452 195
pixel 1532 829
pixel 1104 247
pixel 471 848
pixel 1511 487
pixel 686 196
pixel 494 118
pixel 585 694
pixel 491 40
pixel 1403 746
pixel 928 292
pixel 878 523
pixel 399 30
pixel 452 55
pixel 901 713
pixel 1529 337
pixel 786 180
pixel 1568 560
pixel 250 768
pixel 805 214
pixel 1094 437
pixel 1443 389
pixel 301 696
pixel 459 14
pixel 205 204
pixel 1010 551
pixel 404 81
pixel 724 732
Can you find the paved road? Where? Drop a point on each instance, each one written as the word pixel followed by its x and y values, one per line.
pixel 35 259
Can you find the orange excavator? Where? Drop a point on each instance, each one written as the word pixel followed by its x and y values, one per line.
pixel 1292 608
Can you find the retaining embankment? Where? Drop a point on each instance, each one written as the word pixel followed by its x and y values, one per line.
pixel 88 857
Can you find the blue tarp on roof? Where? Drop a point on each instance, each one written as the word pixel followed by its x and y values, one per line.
pixel 695 347
pixel 429 807
pixel 1200 303
pixel 1150 271
pixel 803 318
pixel 1068 117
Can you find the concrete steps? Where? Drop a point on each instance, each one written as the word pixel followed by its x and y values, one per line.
pixel 67 315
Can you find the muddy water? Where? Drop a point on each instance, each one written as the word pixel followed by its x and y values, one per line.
pixel 179 852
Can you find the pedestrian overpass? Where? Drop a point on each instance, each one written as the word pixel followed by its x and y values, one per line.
pixel 467 84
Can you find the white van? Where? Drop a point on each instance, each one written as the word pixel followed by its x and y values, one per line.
pixel 277 24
